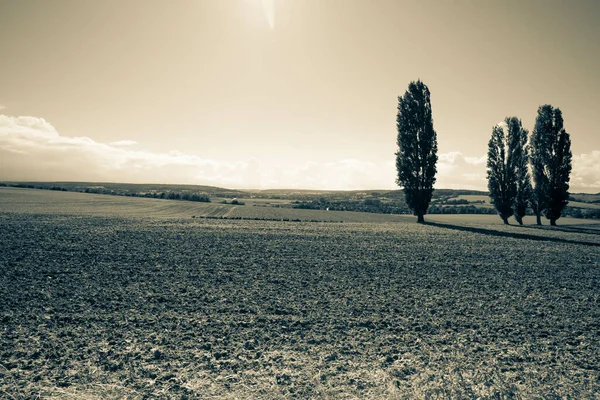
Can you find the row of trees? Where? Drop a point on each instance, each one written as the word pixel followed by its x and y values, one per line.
pixel 169 195
pixel 511 157
pixel 514 160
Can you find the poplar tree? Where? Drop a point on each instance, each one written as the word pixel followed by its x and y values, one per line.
pixel 522 175
pixel 551 163
pixel 416 157
pixel 501 169
pixel 539 157
pixel 559 171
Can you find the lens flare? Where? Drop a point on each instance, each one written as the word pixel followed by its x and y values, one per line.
pixel 268 7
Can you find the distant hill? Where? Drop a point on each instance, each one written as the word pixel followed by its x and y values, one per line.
pixel 585 197
pixel 444 201
pixel 122 188
pixel 224 192
pixel 215 191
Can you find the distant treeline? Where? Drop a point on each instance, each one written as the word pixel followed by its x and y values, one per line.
pixel 462 209
pixel 367 205
pixel 29 186
pixel 167 195
pixel 576 212
pixel 457 206
pixel 381 207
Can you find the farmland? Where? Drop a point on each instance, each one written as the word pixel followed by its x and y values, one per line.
pixel 444 201
pixel 39 201
pixel 117 297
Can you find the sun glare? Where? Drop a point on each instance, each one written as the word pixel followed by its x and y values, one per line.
pixel 268 7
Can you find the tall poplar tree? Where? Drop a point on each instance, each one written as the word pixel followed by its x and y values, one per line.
pixel 551 163
pixel 521 164
pixel 501 169
pixel 559 171
pixel 539 156
pixel 416 157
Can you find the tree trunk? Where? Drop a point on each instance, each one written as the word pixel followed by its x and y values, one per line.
pixel 538 219
pixel 420 219
pixel 552 222
pixel 519 219
pixel 505 220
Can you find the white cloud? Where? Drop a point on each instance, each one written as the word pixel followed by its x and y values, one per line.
pixel 123 143
pixel 585 176
pixel 344 174
pixel 32 150
pixel 456 171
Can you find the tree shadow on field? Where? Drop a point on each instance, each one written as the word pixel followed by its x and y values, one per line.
pixel 591 229
pixel 515 235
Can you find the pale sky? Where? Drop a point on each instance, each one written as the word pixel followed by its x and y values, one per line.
pixel 284 93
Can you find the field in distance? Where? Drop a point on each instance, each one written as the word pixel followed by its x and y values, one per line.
pixel 444 201
pixel 116 297
pixel 58 202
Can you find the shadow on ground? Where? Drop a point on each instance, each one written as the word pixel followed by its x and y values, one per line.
pixel 591 229
pixel 515 235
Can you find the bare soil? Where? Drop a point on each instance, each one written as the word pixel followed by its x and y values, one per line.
pixel 116 307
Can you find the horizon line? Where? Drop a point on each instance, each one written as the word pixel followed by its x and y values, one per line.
pixel 256 189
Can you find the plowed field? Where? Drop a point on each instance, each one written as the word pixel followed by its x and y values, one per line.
pixel 111 306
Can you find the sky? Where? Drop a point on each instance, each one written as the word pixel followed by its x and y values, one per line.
pixel 284 93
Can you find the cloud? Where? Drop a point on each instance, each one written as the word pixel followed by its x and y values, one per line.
pixel 32 150
pixel 585 176
pixel 343 174
pixel 456 171
pixel 123 143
